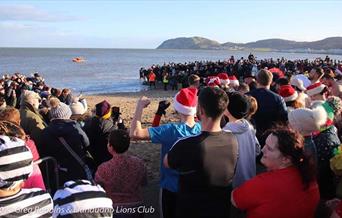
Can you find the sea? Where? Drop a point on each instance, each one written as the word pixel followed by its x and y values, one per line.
pixel 112 70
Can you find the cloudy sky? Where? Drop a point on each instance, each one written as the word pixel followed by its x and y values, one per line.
pixel 146 24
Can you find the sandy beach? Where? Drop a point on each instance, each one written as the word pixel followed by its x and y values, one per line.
pixel 146 150
pixel 127 102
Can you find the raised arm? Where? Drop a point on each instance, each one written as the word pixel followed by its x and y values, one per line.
pixel 137 132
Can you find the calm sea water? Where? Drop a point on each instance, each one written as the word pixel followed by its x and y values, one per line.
pixel 110 70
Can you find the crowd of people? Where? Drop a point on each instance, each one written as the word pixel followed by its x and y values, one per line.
pixel 51 145
pixel 254 139
pixel 268 136
pixel 174 75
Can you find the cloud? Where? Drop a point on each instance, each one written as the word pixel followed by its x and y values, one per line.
pixel 40 35
pixel 9 26
pixel 31 13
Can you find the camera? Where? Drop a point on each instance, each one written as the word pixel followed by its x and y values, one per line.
pixel 117 119
pixel 116 113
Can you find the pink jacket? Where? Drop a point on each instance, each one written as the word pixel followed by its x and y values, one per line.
pixel 36 178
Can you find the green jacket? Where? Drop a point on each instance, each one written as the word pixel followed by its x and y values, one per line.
pixel 32 123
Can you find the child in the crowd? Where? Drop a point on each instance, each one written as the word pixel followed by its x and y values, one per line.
pixel 124 176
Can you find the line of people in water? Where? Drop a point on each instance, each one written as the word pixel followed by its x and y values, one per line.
pixel 259 145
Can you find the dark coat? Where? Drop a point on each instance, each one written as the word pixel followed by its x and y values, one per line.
pixel 325 143
pixel 98 131
pixel 66 99
pixel 76 138
pixel 32 123
pixel 271 110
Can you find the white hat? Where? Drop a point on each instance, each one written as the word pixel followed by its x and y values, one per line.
pixel 77 108
pixel 307 120
pixel 185 101
pixel 304 79
pixel 297 83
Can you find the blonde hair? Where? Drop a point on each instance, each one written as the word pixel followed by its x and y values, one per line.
pixel 253 106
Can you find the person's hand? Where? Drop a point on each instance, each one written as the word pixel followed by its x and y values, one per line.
pixel 163 105
pixel 143 102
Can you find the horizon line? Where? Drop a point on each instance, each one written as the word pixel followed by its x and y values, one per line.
pixel 75 47
pixel 275 38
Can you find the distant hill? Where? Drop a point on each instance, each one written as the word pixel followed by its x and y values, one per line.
pixel 279 44
pixel 189 43
pixel 332 44
pixel 328 43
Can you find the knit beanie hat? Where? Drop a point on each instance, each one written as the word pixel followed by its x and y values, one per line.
pixel 15 161
pixel 82 197
pixel 238 105
pixel 234 81
pixel 224 79
pixel 59 110
pixel 185 101
pixel 307 120
pixel 288 93
pixel 103 109
pixel 314 89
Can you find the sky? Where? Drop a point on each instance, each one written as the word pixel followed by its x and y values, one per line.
pixel 146 24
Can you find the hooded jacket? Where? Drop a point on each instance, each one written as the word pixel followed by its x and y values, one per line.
pixel 249 148
pixel 75 137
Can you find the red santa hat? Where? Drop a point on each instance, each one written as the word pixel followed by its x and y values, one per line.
pixel 185 101
pixel 314 89
pixel 288 93
pixel 234 81
pixel 213 81
pixel 224 79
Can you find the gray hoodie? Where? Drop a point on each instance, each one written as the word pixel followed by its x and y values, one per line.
pixel 249 148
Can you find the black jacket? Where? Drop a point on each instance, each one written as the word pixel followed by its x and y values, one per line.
pixel 76 138
pixel 98 131
pixel 272 110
